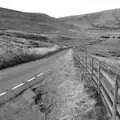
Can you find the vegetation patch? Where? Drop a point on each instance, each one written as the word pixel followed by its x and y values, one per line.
pixel 15 56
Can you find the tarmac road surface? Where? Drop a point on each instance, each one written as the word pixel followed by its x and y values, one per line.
pixel 15 77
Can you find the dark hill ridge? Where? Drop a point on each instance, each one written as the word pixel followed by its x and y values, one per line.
pixel 31 22
pixel 42 23
pixel 33 17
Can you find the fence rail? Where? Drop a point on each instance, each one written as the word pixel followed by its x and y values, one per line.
pixel 106 82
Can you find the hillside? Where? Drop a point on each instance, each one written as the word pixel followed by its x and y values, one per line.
pixel 30 22
pixel 100 31
pixel 109 20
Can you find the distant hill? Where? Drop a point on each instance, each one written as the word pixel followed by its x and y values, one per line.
pixel 104 20
pixel 31 22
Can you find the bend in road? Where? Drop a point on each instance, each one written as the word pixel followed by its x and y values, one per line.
pixel 9 78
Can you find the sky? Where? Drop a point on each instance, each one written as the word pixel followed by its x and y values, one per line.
pixel 60 8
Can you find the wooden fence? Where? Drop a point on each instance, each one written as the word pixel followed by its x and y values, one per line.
pixel 107 83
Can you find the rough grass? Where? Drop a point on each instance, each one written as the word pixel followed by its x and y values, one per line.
pixel 12 60
pixel 15 56
pixel 98 112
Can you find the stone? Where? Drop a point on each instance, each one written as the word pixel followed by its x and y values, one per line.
pixel 28 95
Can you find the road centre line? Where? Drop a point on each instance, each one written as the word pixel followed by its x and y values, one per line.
pixel 3 93
pixel 31 79
pixel 40 74
pixel 18 86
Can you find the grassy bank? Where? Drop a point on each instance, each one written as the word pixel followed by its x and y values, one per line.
pixel 98 111
pixel 12 58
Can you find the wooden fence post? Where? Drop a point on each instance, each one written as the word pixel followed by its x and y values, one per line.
pixel 85 58
pixel 92 65
pixel 115 98
pixel 99 83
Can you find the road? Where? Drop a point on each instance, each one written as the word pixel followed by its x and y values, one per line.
pixel 9 78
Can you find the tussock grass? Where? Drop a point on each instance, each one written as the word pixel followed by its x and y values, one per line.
pixel 8 61
pixel 12 57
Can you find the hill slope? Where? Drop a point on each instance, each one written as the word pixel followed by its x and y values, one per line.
pixel 109 19
pixel 30 22
pixel 101 31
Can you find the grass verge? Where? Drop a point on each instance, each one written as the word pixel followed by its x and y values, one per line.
pixel 10 59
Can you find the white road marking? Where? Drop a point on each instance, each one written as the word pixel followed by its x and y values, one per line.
pixel 31 79
pixel 17 86
pixel 40 74
pixel 3 93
